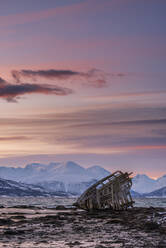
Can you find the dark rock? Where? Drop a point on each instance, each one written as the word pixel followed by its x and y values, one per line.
pixel 114 221
pixel 99 246
pixel 25 207
pixel 73 243
pixel 151 226
pixel 13 232
pixel 5 222
pixel 163 228
pixel 48 220
pixel 60 207
pixel 162 244
pixel 19 217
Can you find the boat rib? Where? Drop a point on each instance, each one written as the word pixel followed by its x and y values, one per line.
pixel 111 192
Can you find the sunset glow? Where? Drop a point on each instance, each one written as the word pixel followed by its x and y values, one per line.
pixel 84 80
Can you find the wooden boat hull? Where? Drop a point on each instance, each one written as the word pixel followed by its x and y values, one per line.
pixel 111 192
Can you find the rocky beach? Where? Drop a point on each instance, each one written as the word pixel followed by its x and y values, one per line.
pixel 23 227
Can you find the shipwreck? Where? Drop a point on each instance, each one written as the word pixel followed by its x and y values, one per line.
pixel 111 192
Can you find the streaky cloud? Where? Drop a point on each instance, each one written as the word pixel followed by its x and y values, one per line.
pixel 49 74
pixel 12 92
pixel 94 77
pixel 14 138
pixel 2 81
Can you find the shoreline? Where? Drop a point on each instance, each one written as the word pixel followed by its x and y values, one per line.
pixel 136 227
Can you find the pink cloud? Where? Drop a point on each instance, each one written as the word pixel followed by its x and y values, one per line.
pixel 67 10
pixel 30 17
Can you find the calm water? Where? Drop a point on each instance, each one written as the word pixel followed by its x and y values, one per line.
pixel 51 202
pixel 150 202
pixel 42 202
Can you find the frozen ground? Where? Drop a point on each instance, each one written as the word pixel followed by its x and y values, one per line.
pixel 51 228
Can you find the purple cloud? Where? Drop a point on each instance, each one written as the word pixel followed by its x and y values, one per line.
pixel 94 77
pixel 12 92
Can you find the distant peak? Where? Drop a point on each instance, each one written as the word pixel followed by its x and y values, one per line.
pixel 96 166
pixel 34 165
pixel 72 164
pixel 53 164
pixel 141 175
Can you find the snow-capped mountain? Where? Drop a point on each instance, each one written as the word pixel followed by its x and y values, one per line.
pixel 66 177
pixel 97 172
pixel 12 188
pixel 69 172
pixel 135 194
pixel 144 184
pixel 72 178
pixel 161 181
pixel 157 193
pixel 74 188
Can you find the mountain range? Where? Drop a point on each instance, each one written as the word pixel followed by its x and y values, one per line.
pixel 12 188
pixel 68 172
pixel 144 184
pixel 71 178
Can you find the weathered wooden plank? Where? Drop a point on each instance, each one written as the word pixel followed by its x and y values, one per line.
pixel 112 192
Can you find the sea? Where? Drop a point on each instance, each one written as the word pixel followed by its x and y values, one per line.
pixel 52 202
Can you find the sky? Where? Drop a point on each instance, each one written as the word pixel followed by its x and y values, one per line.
pixel 84 80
